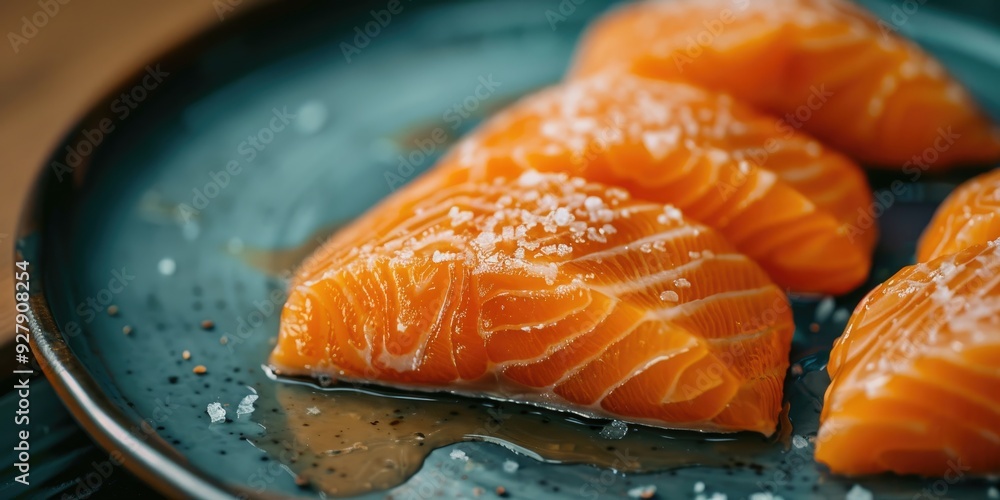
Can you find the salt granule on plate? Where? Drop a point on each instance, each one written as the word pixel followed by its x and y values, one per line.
pixel 246 405
pixel 764 495
pixel 642 491
pixel 799 442
pixel 859 493
pixel 615 430
pixel 825 309
pixel 216 412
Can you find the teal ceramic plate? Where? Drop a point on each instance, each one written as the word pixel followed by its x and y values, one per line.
pixel 183 196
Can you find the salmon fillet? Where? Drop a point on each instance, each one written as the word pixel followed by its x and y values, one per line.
pixel 969 216
pixel 915 375
pixel 784 200
pixel 546 289
pixel 824 66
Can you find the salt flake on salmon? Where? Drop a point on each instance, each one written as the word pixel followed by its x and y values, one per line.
pixel 786 201
pixel 914 377
pixel 544 289
pixel 824 66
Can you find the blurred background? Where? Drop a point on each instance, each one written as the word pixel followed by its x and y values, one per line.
pixel 49 77
pixel 47 82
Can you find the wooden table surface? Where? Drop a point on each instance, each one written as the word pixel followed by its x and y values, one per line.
pixel 51 75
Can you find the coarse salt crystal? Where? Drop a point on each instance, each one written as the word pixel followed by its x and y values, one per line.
pixel 216 412
pixel 551 129
pixel 560 249
pixel 459 217
pixel 670 214
pixel 799 441
pixel 824 309
pixel 642 491
pixel 614 430
pixel 593 203
pixel 617 193
pixel 859 493
pixel 718 156
pixel 486 240
pixel 440 256
pixel 764 495
pixel 594 235
pixel 167 266
pixel 661 143
pixel 530 178
pixel 246 405
pixel 603 215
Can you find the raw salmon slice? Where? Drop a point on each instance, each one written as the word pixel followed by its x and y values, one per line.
pixel 970 215
pixel 915 375
pixel 544 289
pixel 786 201
pixel 825 66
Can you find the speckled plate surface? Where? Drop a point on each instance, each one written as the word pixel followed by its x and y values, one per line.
pixel 264 133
